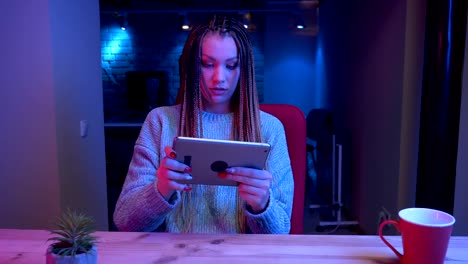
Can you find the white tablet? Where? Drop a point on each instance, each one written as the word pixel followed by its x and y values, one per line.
pixel 207 157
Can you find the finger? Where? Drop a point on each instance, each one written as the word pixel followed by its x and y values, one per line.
pixel 167 178
pixel 257 202
pixel 178 186
pixel 172 164
pixel 170 152
pixel 177 176
pixel 250 199
pixel 252 190
pixel 249 172
pixel 253 181
pixel 170 179
pixel 171 185
pixel 247 180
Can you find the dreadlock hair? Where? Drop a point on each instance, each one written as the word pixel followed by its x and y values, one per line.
pixel 245 106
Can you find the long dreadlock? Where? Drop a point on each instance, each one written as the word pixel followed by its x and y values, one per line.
pixel 246 117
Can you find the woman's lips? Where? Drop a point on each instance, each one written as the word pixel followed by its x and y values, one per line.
pixel 218 91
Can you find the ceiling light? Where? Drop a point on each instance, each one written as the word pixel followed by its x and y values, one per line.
pixel 185 22
pixel 123 22
pixel 246 20
pixel 299 22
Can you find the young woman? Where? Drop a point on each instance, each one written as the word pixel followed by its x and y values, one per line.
pixel 217 99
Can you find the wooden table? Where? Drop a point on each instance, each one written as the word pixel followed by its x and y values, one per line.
pixel 29 246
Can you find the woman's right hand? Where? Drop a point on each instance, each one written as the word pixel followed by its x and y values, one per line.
pixel 171 171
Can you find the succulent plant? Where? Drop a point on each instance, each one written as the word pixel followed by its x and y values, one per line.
pixel 73 235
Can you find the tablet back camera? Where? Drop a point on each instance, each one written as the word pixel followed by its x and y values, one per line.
pixel 219 166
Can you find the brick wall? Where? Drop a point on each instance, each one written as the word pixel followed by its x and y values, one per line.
pixel 152 42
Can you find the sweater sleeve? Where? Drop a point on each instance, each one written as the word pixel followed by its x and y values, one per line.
pixel 276 218
pixel 140 206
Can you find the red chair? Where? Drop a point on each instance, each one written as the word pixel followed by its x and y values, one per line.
pixel 294 123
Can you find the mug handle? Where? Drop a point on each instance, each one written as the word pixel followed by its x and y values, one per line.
pixel 397 225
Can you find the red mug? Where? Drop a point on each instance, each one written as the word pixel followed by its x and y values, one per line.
pixel 425 234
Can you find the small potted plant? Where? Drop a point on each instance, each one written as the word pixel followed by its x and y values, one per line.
pixel 73 240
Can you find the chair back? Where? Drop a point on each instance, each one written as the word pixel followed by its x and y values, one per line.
pixel 294 123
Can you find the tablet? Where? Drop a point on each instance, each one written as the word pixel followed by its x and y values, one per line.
pixel 207 157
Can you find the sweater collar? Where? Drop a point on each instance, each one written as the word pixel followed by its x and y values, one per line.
pixel 212 117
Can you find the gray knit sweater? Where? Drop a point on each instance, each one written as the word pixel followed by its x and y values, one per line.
pixel 142 208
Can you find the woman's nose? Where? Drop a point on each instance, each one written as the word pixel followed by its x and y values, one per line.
pixel 219 75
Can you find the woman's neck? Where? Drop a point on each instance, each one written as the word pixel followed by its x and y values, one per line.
pixel 218 109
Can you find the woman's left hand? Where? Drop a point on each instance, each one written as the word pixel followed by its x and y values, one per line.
pixel 254 185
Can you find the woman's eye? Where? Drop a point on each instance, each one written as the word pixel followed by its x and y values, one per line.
pixel 207 64
pixel 232 66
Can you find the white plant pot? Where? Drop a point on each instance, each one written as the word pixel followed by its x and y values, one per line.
pixel 85 258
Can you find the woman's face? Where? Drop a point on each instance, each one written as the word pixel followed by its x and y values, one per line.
pixel 220 72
